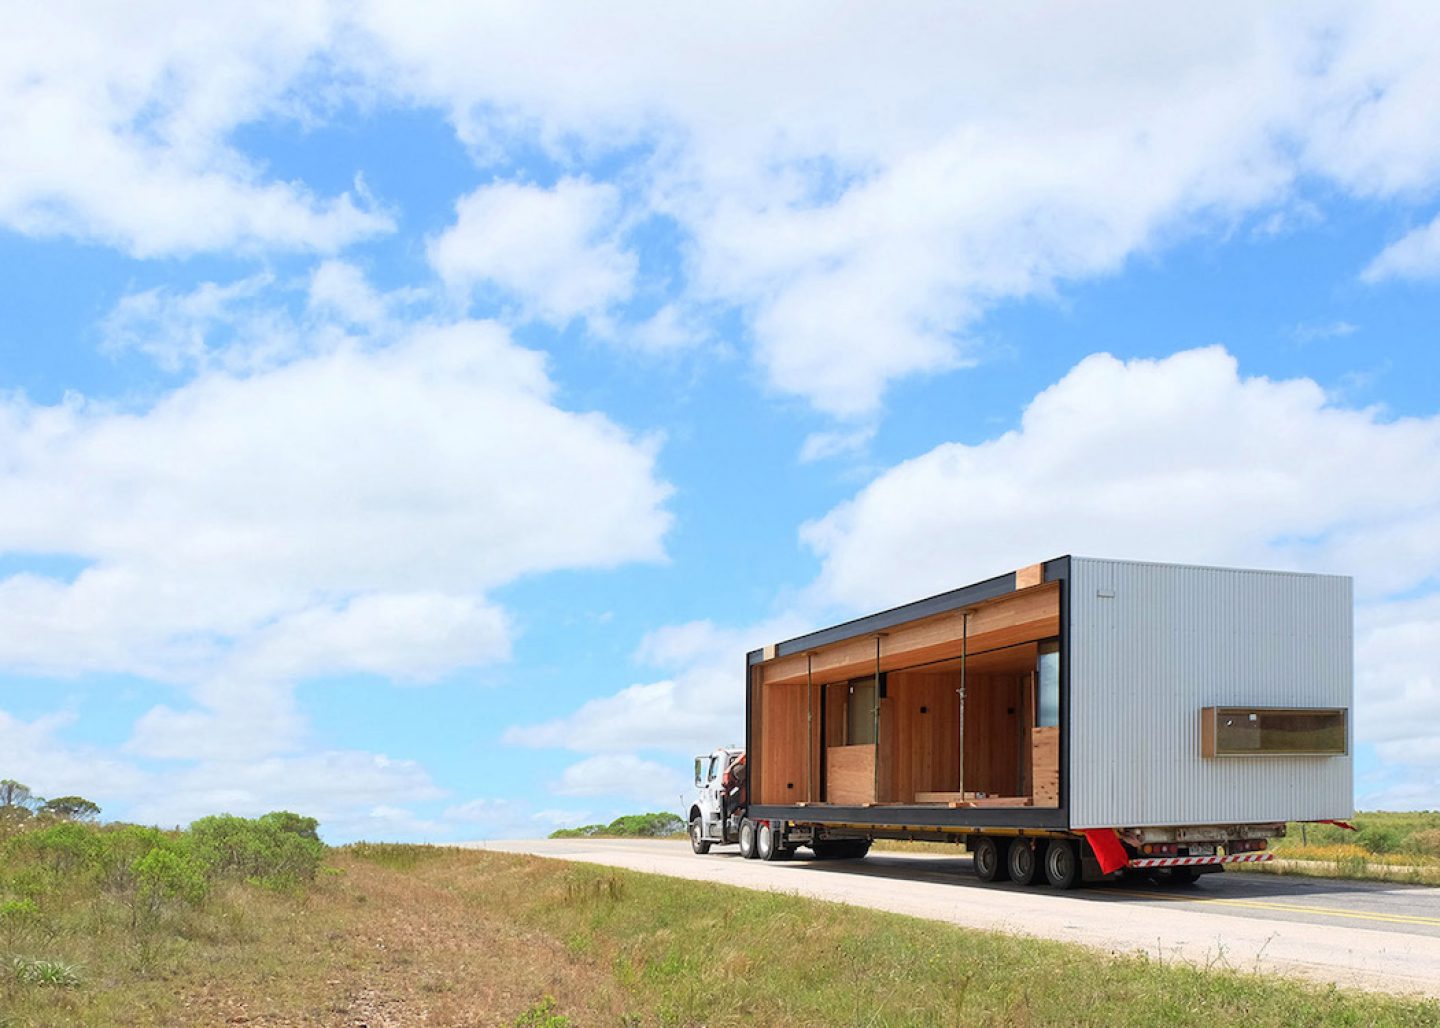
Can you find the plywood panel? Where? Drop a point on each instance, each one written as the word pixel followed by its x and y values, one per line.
pixel 1016 618
pixel 782 744
pixel 1045 748
pixel 992 733
pixel 851 775
pixel 920 735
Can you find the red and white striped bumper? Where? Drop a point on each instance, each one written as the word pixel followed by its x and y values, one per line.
pixel 1233 858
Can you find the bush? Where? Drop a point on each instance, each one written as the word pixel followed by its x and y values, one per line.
pixel 163 875
pixel 1426 842
pixel 264 851
pixel 629 826
pixel 1378 838
pixel 64 848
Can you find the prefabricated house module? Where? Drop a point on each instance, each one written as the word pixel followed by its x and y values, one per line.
pixel 1091 714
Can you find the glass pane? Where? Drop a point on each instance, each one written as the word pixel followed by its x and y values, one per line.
pixel 860 715
pixel 1047 674
pixel 1240 730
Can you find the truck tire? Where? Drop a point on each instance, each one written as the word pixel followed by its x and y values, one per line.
pixel 767 843
pixel 747 839
pixel 1022 862
pixel 856 849
pixel 1062 864
pixel 989 867
pixel 698 842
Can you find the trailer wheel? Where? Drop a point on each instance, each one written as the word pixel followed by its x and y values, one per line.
pixel 1023 862
pixel 747 839
pixel 1062 864
pixel 988 865
pixel 698 842
pixel 856 850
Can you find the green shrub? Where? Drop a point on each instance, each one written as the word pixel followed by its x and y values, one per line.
pixel 163 875
pixel 1378 838
pixel 1426 842
pixel 649 826
pixel 294 824
pixel 260 850
pixel 17 917
pixel 64 848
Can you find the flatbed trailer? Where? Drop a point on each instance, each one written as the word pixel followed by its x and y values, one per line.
pixel 1069 720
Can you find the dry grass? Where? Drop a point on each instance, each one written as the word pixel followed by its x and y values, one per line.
pixel 412 936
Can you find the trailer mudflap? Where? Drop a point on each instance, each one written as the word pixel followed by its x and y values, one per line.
pixel 1108 849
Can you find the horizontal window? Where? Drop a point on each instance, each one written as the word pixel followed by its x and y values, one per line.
pixel 1246 731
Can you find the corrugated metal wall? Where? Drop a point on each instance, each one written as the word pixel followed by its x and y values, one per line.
pixel 1151 644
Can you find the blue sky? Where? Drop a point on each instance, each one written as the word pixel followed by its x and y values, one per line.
pixel 412 420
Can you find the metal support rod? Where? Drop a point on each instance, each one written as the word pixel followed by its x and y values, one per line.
pixel 809 724
pixel 964 654
pixel 876 693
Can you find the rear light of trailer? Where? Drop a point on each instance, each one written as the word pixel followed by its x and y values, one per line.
pixel 1160 849
pixel 1246 845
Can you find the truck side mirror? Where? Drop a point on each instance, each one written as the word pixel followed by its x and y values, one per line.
pixel 699 763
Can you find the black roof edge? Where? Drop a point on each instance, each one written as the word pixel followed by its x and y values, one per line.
pixel 940 603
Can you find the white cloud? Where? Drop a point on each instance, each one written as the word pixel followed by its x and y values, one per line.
pixel 824 445
pixel 700 706
pixel 343 512
pixel 626 776
pixel 864 223
pixel 1414 255
pixel 117 125
pixel 553 249
pixel 1178 459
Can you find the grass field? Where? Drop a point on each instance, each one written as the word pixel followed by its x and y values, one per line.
pixel 1386 846
pixel 397 935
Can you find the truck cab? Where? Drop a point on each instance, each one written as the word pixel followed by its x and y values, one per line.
pixel 720 798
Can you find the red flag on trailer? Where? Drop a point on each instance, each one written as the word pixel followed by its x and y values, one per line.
pixel 1107 847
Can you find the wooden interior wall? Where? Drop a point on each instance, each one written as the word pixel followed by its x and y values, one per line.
pixel 1046 746
pixel 993 733
pixel 782 744
pixel 850 777
pixel 919 735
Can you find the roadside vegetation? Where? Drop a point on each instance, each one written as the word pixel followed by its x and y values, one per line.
pixel 1398 846
pixel 629 826
pixel 255 921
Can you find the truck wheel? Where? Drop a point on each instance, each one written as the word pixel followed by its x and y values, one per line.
pixel 988 865
pixel 698 842
pixel 747 839
pixel 1062 864
pixel 856 849
pixel 1023 862
pixel 767 843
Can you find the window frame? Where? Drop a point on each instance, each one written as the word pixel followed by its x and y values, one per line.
pixel 1210 736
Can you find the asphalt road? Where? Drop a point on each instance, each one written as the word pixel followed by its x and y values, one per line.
pixel 1368 935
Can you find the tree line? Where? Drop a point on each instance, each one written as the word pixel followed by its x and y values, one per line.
pixel 19 803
